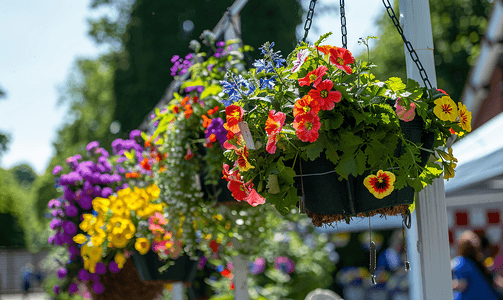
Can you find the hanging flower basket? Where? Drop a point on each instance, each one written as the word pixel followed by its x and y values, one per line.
pixel 365 144
pixel 183 268
pixel 330 200
pixel 126 285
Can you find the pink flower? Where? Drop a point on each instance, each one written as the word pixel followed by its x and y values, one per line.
pixel 405 114
pixel 273 126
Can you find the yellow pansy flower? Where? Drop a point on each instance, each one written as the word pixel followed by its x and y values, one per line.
pixel 380 185
pixel 120 259
pixel 79 238
pixel 465 117
pixel 142 245
pixel 446 109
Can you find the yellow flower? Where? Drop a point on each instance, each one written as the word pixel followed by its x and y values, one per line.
pixel 91 255
pixel 87 223
pixel 446 109
pixel 119 208
pixel 120 259
pixel 79 238
pixel 142 245
pixel 153 190
pixel 465 117
pixel 380 185
pixel 449 170
pixel 101 205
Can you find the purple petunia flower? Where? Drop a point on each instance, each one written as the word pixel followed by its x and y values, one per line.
pixel 74 250
pixel 216 127
pixel 54 203
pixel 174 58
pixel 86 202
pixel 92 145
pixel 83 275
pixel 100 268
pixel 56 170
pixel 284 264
pixel 98 287
pixel 56 289
pixel 106 191
pixel 258 266
pixel 62 273
pixel 50 240
pixel 102 152
pixel 55 223
pixel 133 134
pixel 69 228
pixel 71 210
pixel 113 267
pixel 73 288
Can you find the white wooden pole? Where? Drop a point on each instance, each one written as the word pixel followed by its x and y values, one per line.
pixel 177 291
pixel 430 238
pixel 240 278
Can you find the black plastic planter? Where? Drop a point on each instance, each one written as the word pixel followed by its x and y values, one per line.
pixel 329 200
pixel 148 266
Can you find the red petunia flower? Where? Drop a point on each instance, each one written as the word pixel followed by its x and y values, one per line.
pixel 189 155
pixel 305 105
pixel 273 126
pixel 380 185
pixel 313 76
pixel 341 57
pixel 238 189
pixel 233 115
pixel 324 95
pixel 232 174
pixel 184 101
pixel 145 165
pixel 307 126
pixel 325 49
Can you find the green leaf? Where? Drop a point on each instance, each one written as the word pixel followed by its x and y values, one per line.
pixel 395 84
pixel 313 150
pixel 347 167
pixel 331 150
pixel 291 198
pixel 361 160
pixel 211 90
pixel 323 38
pixel 198 81
pixel 272 184
pixel 286 174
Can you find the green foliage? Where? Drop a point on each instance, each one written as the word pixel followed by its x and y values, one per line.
pixel 24 175
pixel 151 32
pixel 457 26
pixel 19 222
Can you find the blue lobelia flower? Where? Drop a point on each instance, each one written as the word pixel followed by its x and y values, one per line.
pixel 246 87
pixel 267 83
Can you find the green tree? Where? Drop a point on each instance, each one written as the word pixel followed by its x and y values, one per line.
pixel 88 94
pixel 24 175
pixel 4 137
pixel 457 27
pixel 157 30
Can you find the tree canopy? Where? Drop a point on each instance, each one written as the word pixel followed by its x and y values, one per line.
pixel 157 30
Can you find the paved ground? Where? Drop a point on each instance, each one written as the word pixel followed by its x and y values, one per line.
pixel 33 296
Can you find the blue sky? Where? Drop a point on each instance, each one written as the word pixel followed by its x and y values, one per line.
pixel 42 38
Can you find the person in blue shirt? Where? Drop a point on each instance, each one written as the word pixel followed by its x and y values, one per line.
pixel 471 280
pixel 26 273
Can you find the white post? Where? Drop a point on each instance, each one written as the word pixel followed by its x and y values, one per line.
pixel 430 238
pixel 177 291
pixel 240 278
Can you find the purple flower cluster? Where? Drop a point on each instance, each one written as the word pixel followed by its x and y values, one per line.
pixel 199 88
pixel 119 146
pixel 180 65
pixel 284 264
pixel 258 266
pixel 84 276
pixel 220 50
pixel 216 127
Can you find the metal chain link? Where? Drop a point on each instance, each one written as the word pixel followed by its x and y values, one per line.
pixel 412 52
pixel 309 19
pixel 343 26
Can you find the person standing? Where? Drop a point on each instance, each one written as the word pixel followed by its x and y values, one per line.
pixel 471 280
pixel 26 273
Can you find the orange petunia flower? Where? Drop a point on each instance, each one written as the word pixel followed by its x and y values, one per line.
pixel 242 162
pixel 324 95
pixel 341 58
pixel 305 105
pixel 184 101
pixel 380 185
pixel 206 121
pixel 465 117
pixel 325 49
pixel 176 109
pixel 233 115
pixel 213 138
pixel 188 111
pixel 445 109
pixel 273 127
pixel 313 77
pixel 306 126
pixel 132 175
